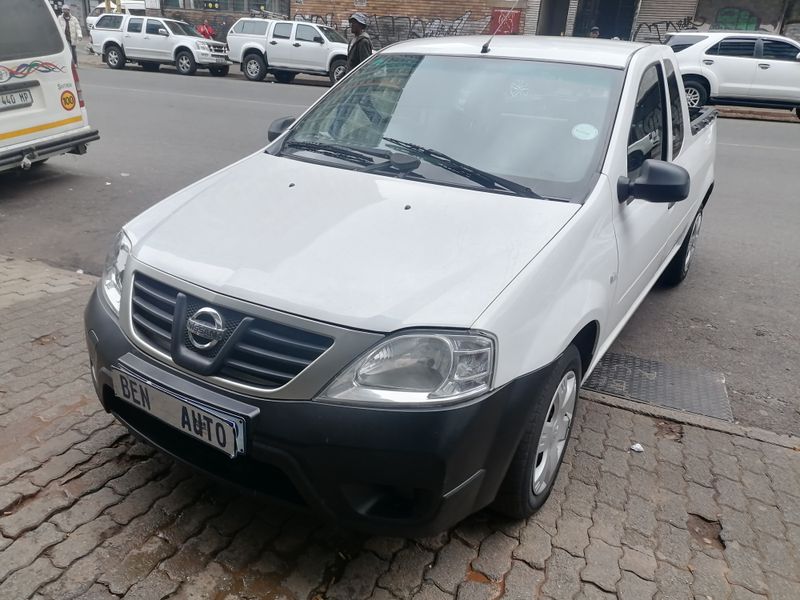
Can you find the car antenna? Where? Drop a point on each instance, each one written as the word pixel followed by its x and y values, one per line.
pixel 485 47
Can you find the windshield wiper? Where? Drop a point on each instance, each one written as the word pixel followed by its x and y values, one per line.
pixel 487 180
pixel 353 154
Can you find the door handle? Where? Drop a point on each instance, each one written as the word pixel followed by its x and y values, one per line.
pixel 764 66
pixel 273 43
pixel 296 45
pixel 708 62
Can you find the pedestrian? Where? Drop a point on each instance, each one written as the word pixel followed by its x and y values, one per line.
pixel 69 25
pixel 206 30
pixel 594 32
pixel 360 47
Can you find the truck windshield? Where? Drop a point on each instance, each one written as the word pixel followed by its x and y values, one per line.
pixel 332 34
pixel 467 122
pixel 180 28
pixel 28 30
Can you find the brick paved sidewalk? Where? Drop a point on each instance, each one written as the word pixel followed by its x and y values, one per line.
pixel 88 512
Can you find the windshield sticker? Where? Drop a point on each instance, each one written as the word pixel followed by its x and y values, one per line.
pixel 23 70
pixel 584 132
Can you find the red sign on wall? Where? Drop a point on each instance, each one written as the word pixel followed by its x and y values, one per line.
pixel 504 21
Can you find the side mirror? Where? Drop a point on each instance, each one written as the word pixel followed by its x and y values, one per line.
pixel 318 39
pixel 278 126
pixel 163 32
pixel 658 181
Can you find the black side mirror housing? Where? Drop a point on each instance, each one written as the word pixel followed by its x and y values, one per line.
pixel 658 181
pixel 319 39
pixel 278 126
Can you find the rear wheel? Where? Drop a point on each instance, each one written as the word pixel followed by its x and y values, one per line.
pixel 219 71
pixel 185 64
pixel 150 66
pixel 696 93
pixel 338 70
pixel 115 57
pixel 284 76
pixel 255 67
pixel 535 465
pixel 679 266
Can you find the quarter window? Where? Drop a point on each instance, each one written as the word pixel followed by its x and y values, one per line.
pixel 283 31
pixel 255 28
pixel 646 138
pixel 305 33
pixel 239 27
pixel 676 109
pixel 135 25
pixel 780 50
pixel 109 22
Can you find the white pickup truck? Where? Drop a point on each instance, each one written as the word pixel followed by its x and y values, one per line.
pixel 152 42
pixel 387 314
pixel 286 48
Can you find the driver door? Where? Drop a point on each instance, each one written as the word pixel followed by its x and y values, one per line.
pixel 157 46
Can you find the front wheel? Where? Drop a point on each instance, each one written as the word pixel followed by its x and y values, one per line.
pixel 696 93
pixel 115 57
pixel 679 266
pixel 538 458
pixel 255 67
pixel 338 70
pixel 219 71
pixel 185 63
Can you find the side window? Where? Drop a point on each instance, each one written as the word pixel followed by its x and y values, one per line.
pixel 109 22
pixel 283 31
pixel 741 47
pixel 646 138
pixel 239 27
pixel 780 50
pixel 676 109
pixel 305 33
pixel 153 26
pixel 135 25
pixel 255 28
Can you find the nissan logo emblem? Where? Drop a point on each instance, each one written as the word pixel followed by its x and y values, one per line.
pixel 205 328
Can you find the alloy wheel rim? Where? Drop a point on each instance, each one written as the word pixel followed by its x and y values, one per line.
pixel 113 57
pixel 338 73
pixel 253 69
pixel 693 237
pixel 183 63
pixel 692 97
pixel 555 431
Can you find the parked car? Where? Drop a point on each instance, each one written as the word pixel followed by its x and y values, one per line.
pixel 286 48
pixel 153 42
pixel 736 67
pixel 387 314
pixel 127 7
pixel 42 111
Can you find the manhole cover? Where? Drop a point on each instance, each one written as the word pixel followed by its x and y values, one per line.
pixel 652 382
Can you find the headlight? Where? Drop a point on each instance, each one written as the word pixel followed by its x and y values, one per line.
pixel 202 46
pixel 418 368
pixel 115 270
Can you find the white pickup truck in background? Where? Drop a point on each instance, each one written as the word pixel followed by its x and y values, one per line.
pixel 153 42
pixel 387 314
pixel 286 48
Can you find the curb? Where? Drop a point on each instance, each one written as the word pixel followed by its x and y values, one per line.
pixel 752 114
pixel 754 433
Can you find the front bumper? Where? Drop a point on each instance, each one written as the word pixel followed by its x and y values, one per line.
pixel 74 143
pixel 406 472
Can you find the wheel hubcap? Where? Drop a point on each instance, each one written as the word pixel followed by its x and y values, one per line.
pixel 692 97
pixel 113 58
pixel 693 237
pixel 338 73
pixel 253 69
pixel 183 63
pixel 555 431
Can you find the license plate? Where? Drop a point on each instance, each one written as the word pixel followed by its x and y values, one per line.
pixel 221 431
pixel 12 100
pixel 220 59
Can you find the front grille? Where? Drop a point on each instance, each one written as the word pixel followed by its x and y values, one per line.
pixel 266 354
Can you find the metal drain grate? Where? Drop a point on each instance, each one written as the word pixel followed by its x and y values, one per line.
pixel 653 382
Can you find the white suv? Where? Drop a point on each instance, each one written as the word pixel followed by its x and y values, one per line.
pixel 734 67
pixel 152 42
pixel 286 48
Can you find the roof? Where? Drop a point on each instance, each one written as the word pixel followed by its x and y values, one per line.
pixel 607 53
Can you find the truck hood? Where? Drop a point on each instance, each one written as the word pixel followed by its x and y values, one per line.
pixel 358 250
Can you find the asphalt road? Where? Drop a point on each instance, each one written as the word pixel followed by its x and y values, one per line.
pixel 736 313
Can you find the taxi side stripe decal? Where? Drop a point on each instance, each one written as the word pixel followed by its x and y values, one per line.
pixel 53 125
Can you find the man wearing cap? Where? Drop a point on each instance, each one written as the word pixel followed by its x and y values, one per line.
pixel 360 46
pixel 594 32
pixel 69 25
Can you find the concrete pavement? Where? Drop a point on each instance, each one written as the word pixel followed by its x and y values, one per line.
pixel 86 511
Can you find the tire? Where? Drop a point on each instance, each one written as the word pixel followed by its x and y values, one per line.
pixel 219 71
pixel 184 62
pixel 149 66
pixel 115 57
pixel 338 69
pixel 254 67
pixel 797 112
pixel 696 93
pixel 679 266
pixel 284 76
pixel 533 472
